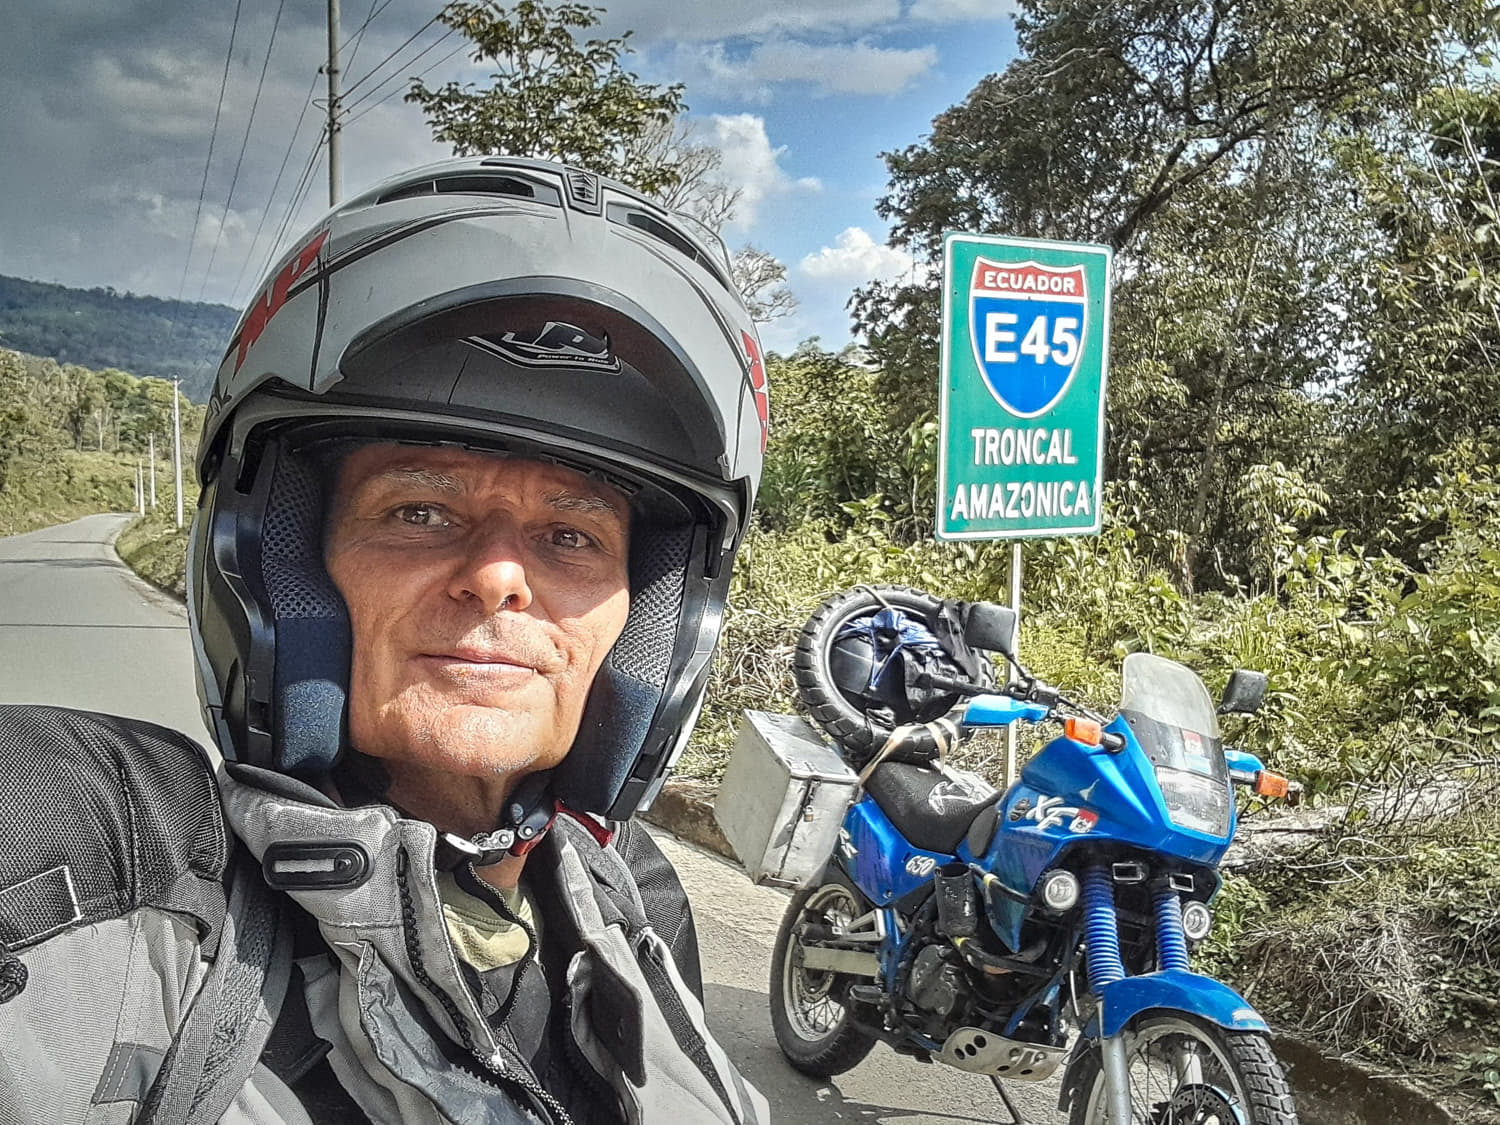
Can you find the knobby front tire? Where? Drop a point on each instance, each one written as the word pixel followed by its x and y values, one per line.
pixel 1186 1072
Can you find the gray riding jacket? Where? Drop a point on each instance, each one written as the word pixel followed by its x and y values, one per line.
pixel 408 1037
pixel 394 982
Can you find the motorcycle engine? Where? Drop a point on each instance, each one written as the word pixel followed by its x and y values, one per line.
pixel 935 984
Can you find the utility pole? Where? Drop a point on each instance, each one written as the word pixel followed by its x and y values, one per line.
pixel 335 167
pixel 177 449
pixel 153 471
pixel 140 490
pixel 1011 773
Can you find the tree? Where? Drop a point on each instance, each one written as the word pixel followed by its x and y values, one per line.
pixel 697 190
pixel 551 96
pixel 1432 373
pixel 15 417
pixel 758 275
pixel 1206 141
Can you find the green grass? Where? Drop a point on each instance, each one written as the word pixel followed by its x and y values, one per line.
pixel 156 549
pixel 62 485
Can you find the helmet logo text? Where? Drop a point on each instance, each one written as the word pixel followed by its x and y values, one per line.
pixel 273 296
pixel 556 345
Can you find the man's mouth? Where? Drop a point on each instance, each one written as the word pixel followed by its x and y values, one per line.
pixel 483 656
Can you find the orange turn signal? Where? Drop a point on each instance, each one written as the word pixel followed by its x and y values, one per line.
pixel 1085 731
pixel 1269 784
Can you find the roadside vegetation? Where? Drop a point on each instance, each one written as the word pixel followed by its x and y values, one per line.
pixel 101 329
pixel 1303 446
pixel 156 548
pixel 71 439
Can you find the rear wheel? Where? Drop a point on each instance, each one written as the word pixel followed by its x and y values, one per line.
pixel 810 1008
pixel 1183 1072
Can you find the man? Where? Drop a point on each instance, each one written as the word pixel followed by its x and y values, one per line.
pixel 475 468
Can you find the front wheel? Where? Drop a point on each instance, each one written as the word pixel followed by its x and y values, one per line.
pixel 1183 1072
pixel 810 1007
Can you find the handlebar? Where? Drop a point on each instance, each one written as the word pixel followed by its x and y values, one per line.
pixel 957 687
pixel 1029 689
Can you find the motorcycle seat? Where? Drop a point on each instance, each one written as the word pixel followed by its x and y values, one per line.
pixel 932 808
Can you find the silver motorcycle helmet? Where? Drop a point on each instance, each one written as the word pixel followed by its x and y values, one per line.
pixel 497 304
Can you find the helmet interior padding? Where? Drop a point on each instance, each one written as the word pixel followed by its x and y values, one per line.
pixel 311 678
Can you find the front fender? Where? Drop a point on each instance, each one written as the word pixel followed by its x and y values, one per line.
pixel 1176 990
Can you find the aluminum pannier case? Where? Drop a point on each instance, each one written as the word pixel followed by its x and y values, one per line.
pixel 783 799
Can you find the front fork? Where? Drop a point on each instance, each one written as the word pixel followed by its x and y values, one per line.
pixel 1101 930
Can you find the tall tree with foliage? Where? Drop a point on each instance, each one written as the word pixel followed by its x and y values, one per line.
pixel 1431 377
pixel 1199 138
pixel 560 99
pixel 551 96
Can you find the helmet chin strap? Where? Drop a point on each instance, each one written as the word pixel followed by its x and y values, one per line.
pixel 528 813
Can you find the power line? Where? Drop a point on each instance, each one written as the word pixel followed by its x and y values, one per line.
pixel 304 182
pixel 312 175
pixel 396 74
pixel 212 137
pixel 359 32
pixel 397 90
pixel 271 197
pixel 350 89
pixel 234 179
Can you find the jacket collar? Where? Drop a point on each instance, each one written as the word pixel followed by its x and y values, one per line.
pixel 393 912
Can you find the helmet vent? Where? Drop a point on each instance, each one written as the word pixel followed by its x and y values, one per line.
pixel 584 188
pixel 659 230
pixel 470 184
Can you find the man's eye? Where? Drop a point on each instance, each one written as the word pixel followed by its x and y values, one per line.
pixel 570 538
pixel 422 515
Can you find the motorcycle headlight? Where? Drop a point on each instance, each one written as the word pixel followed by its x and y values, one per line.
pixel 1195 801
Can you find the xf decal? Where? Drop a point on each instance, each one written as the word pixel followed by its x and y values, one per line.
pixel 1050 812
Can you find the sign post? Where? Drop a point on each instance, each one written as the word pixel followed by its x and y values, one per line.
pixel 1025 355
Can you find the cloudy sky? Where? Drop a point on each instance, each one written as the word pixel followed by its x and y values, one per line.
pixel 107 108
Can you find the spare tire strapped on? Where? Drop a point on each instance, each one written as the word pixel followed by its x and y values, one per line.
pixel 857 663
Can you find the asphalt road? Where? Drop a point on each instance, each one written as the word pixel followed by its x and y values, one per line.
pixel 78 629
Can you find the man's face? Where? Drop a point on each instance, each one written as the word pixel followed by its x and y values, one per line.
pixel 484 593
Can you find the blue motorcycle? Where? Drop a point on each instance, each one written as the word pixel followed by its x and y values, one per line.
pixel 1048 927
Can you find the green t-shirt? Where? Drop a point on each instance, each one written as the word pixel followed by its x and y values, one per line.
pixel 481 936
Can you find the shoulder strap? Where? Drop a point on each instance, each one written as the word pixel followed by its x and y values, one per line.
pixel 219 1043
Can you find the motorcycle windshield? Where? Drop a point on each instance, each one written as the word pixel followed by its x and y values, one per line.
pixel 1172 716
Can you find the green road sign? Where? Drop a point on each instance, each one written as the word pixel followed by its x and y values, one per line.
pixel 1025 351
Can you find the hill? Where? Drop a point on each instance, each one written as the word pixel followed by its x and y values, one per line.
pixel 100 328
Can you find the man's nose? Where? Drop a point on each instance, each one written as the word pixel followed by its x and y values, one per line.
pixel 493 571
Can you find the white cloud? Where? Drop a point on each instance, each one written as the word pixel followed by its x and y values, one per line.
pixel 654 21
pixel 856 258
pixel 953 11
pixel 749 162
pixel 833 68
pixel 852 68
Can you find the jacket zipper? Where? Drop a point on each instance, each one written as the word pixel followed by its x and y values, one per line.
pixel 572 1054
pixel 494 1062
